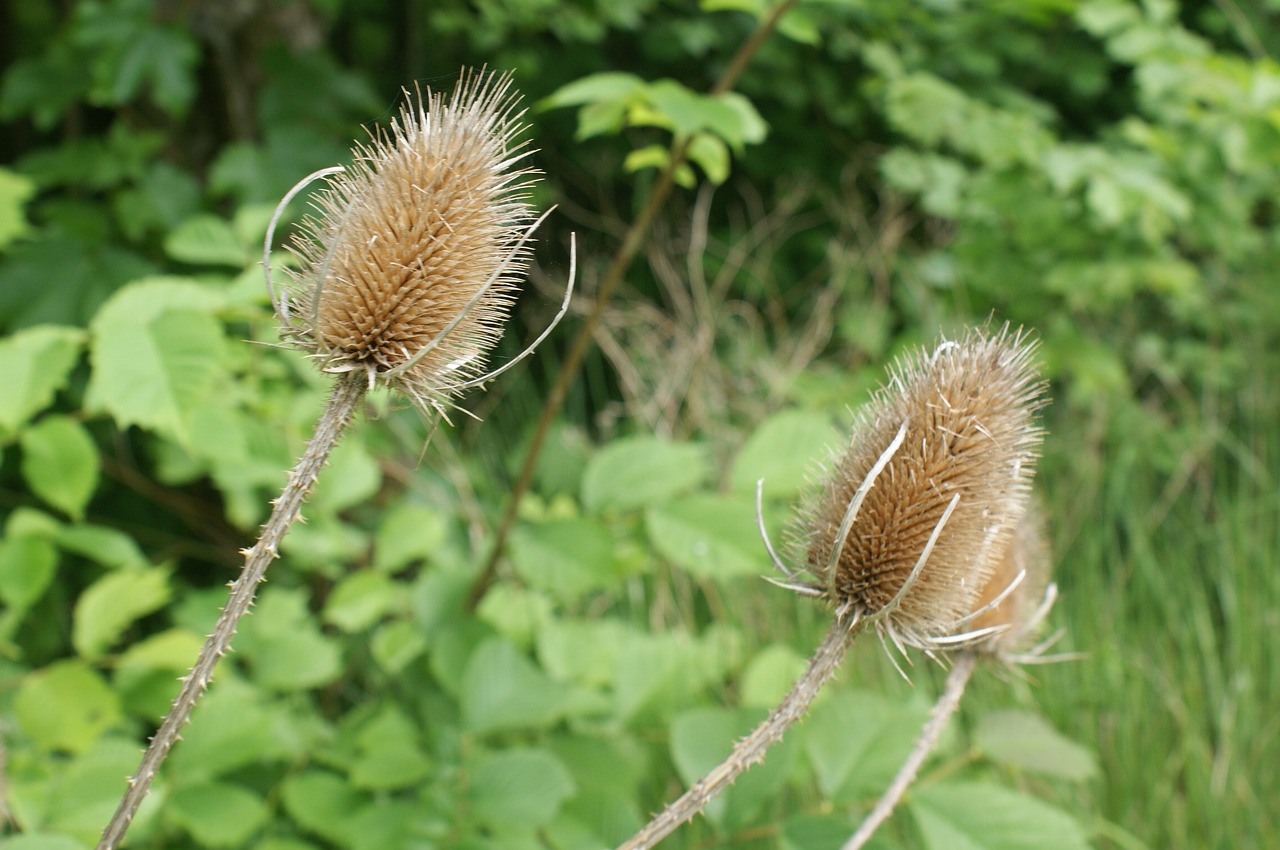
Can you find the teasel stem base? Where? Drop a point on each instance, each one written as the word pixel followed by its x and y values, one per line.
pixel 341 408
pixel 947 703
pixel 751 749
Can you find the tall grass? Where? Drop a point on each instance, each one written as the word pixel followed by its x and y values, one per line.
pixel 1172 588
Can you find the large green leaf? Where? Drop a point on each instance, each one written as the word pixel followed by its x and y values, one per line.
pixel 65 706
pixel 60 463
pixel 37 362
pixel 323 803
pixel 28 563
pixel 157 355
pixel 206 240
pixel 984 816
pixel 519 788
pixel 502 689
pixel 361 599
pixel 218 814
pixel 637 471
pixel 783 451
pixel 567 557
pixel 700 740
pixel 856 741
pixel 284 645
pixel 709 536
pixel 1026 740
pixel 408 532
pixel 112 603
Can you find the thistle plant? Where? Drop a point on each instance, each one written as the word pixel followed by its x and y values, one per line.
pixel 909 528
pixel 409 267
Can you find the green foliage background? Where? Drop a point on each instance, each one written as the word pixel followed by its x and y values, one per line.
pixel 1103 171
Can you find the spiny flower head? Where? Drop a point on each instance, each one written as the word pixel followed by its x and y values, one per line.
pixel 914 518
pixel 410 267
pixel 1017 597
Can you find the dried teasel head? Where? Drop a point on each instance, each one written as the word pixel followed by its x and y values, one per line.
pixel 410 266
pixel 913 520
pixel 1013 604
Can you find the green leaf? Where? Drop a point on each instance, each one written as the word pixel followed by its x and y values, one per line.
pixel 856 740
pixel 218 814
pixel 206 240
pixel 783 451
pixel 702 737
pixel 396 644
pixel 634 472
pixel 709 536
pixel 352 478
pixel 37 362
pixel 605 86
pixel 361 599
pixel 567 557
pixel 27 566
pixel 41 841
pixel 65 706
pixel 584 652
pixel 232 727
pixel 157 355
pixel 15 191
pixel 106 546
pixel 389 754
pixel 284 645
pixel 408 533
pixel 984 816
pixel 112 603
pixel 711 155
pixel 323 803
pixel 503 690
pixel 519 788
pixel 60 463
pixel 1026 740
pixel 770 674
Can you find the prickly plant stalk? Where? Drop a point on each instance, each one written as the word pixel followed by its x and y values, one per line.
pixel 407 276
pixel 911 524
pixel 1010 607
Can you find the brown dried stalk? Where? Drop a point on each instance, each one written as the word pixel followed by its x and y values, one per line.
pixel 407 276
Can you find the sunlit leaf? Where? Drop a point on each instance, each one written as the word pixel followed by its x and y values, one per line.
pixel 112 603
pixel 60 463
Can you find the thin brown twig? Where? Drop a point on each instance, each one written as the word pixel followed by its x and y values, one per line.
pixel 617 269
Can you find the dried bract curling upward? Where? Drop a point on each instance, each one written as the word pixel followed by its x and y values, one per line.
pixel 916 516
pixel 409 270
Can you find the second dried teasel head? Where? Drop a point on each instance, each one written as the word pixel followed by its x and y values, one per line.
pixel 914 518
pixel 410 265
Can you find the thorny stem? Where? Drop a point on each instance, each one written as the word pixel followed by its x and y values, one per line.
pixel 929 735
pixel 343 403
pixel 622 259
pixel 751 749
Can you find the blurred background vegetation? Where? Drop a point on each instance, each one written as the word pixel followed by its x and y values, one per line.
pixel 1102 171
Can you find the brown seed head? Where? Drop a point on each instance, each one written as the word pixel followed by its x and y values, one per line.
pixel 966 415
pixel 1019 612
pixel 410 268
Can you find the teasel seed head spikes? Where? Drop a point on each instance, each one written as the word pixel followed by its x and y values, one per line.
pixel 410 267
pixel 915 517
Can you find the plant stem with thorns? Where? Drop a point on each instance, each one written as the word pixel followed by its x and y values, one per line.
pixel 751 749
pixel 947 703
pixel 343 404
